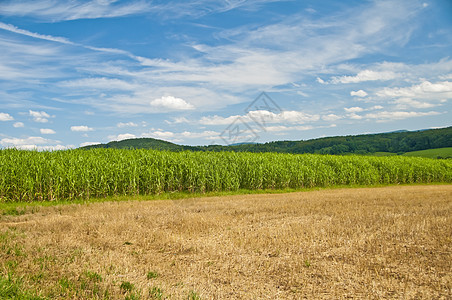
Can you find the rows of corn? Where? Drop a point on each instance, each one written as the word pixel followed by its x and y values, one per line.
pixel 82 174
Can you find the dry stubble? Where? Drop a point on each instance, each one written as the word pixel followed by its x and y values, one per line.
pixel 363 243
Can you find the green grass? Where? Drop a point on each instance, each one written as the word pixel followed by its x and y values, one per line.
pixel 152 275
pixel 383 154
pixel 432 153
pixel 82 175
pixel 12 288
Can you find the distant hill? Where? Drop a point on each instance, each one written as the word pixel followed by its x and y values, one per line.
pixel 143 143
pixel 398 142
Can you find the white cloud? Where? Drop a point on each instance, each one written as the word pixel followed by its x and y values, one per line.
pixel 404 103
pixel 424 90
pixel 392 115
pixel 281 128
pixel 320 80
pixel 89 144
pixel 122 136
pixel 354 109
pixel 366 75
pixel 218 120
pixel 81 128
pixel 160 134
pixel 29 140
pixel 208 134
pixel 331 117
pixel 253 58
pixel 178 120
pixel 102 83
pixel 359 93
pixel 446 77
pixel 18 125
pixel 263 117
pixel 171 103
pixel 354 116
pixel 30 143
pixel 128 124
pixel 39 116
pixel 50 10
pixel 14 29
pixel 5 117
pixel 47 131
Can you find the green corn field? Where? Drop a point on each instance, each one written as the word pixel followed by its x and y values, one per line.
pixel 82 174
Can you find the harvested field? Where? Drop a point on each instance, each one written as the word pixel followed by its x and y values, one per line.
pixel 389 242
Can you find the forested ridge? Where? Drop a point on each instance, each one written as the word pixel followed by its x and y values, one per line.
pixel 393 142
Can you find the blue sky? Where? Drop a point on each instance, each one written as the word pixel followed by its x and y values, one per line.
pixel 80 72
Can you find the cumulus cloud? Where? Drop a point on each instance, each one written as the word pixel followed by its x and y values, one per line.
pixel 39 116
pixel 331 117
pixel 128 124
pixel 81 128
pixel 359 93
pixel 424 90
pixel 354 109
pixel 32 143
pixel 320 80
pixel 5 117
pixel 208 134
pixel 18 125
pixel 218 120
pixel 366 75
pixel 19 142
pixel 161 134
pixel 89 144
pixel 171 103
pixel 47 131
pixel 404 103
pixel 122 136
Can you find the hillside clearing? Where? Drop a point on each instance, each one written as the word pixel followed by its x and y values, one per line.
pixel 386 242
pixel 432 153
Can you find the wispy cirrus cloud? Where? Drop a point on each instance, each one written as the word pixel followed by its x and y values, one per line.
pixel 251 58
pixel 54 10
pixel 12 28
pixel 390 115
